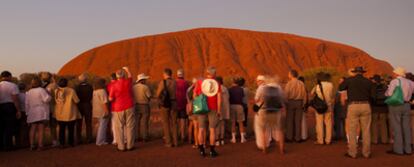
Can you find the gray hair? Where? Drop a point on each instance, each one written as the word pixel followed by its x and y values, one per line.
pixel 211 70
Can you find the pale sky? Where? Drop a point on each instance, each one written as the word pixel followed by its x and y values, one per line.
pixel 37 35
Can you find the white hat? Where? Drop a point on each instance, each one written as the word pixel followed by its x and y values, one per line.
pixel 210 87
pixel 260 78
pixel 400 71
pixel 141 77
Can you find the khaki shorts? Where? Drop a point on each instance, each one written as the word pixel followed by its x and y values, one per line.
pixel 270 120
pixel 211 117
pixel 236 113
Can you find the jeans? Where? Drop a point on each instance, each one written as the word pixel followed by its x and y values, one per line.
pixel 7 125
pixel 102 131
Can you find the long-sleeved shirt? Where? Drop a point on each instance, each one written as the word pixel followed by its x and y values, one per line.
pixel 358 88
pixel 406 85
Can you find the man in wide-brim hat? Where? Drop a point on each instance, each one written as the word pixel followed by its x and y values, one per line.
pixel 142 94
pixel 359 91
pixel 400 113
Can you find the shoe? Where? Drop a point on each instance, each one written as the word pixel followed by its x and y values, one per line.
pixel 202 150
pixel 349 156
pixel 408 153
pixel 392 152
pixel 222 142
pixel 213 153
pixel 233 140
pixel 243 140
pixel 217 143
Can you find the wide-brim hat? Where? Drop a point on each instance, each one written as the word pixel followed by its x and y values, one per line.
pixel 359 69
pixel 399 71
pixel 210 87
pixel 142 77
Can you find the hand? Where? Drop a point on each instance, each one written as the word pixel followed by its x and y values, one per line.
pixel 18 114
pixel 125 68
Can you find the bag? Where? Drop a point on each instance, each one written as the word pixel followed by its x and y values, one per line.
pixel 319 104
pixel 165 100
pixel 397 97
pixel 256 108
pixel 379 99
pixel 200 105
pixel 272 101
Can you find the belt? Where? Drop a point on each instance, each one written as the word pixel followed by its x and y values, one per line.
pixel 359 102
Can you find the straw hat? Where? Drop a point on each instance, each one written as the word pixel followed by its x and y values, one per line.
pixel 142 76
pixel 210 87
pixel 400 71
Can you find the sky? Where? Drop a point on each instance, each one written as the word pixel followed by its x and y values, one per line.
pixel 42 35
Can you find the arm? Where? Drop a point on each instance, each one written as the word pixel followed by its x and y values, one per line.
pixel 219 96
pixel 160 89
pixel 127 71
pixel 75 97
pixel 391 88
pixel 46 97
pixel 15 99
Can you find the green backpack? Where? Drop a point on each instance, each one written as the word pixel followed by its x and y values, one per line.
pixel 397 97
pixel 200 105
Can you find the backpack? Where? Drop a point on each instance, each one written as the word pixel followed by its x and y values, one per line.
pixel 165 99
pixel 272 101
pixel 379 99
pixel 319 104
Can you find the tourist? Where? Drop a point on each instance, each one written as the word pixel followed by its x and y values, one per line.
pixel 167 102
pixel 410 76
pixel 270 102
pixel 122 104
pixel 359 92
pixel 193 124
pixel 49 83
pixel 66 111
pixel 210 88
pixel 242 83
pixel 296 95
pixel 143 95
pixel 339 114
pixel 22 134
pixel 108 89
pixel 84 90
pixel 236 111
pixel 10 110
pixel 324 90
pixel 400 114
pixel 181 100
pixel 379 112
pixel 344 103
pixel 304 124
pixel 100 110
pixel 37 111
pixel 225 113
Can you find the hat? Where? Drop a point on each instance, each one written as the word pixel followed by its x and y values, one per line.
pixel 180 73
pixel 209 87
pixel 359 69
pixel 377 78
pixel 399 71
pixel 141 77
pixel 260 78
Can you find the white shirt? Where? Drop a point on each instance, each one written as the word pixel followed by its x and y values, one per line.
pixel 7 90
pixel 37 105
pixel 406 85
pixel 100 97
pixel 328 91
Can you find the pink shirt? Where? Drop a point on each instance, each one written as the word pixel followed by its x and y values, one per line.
pixel 121 95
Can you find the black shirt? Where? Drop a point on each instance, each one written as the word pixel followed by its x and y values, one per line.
pixel 84 92
pixel 236 95
pixel 359 88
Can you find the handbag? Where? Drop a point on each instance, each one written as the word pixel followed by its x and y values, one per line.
pixel 256 107
pixel 397 97
pixel 200 105
pixel 319 104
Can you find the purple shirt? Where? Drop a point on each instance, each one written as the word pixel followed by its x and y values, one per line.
pixel 236 95
pixel 406 85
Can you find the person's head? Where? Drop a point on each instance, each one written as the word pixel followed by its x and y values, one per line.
pixel 113 76
pixel 6 76
pixel 293 74
pixel 63 83
pixel 241 82
pixel 142 78
pixel 219 79
pixel 22 87
pixel 376 78
pixel 301 78
pixel 272 80
pixel 167 73
pixel 235 81
pixel 410 76
pixel 36 82
pixel 359 70
pixel 211 72
pixel 399 72
pixel 194 81
pixel 260 80
pixel 99 83
pixel 320 76
pixel 180 73
pixel 45 77
pixel 82 78
pixel 326 77
pixel 121 74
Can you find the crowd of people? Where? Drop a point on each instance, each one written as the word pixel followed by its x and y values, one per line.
pixel 360 110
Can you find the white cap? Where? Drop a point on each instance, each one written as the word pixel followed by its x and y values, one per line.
pixel 400 71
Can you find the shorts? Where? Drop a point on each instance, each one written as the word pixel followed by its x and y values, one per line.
pixel 236 113
pixel 193 117
pixel 182 114
pixel 271 120
pixel 41 122
pixel 211 117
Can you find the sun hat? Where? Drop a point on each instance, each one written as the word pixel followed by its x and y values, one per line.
pixel 209 87
pixel 399 71
pixel 141 77
pixel 359 69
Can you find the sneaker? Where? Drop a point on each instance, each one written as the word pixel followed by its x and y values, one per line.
pixel 213 154
pixel 202 150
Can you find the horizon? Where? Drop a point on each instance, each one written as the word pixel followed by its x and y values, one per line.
pixel 53 33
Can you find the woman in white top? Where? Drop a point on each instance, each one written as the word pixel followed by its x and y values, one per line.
pixel 100 110
pixel 324 118
pixel 37 110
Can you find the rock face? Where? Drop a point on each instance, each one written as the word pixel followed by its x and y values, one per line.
pixel 232 52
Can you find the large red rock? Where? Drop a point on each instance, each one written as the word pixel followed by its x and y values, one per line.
pixel 233 52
